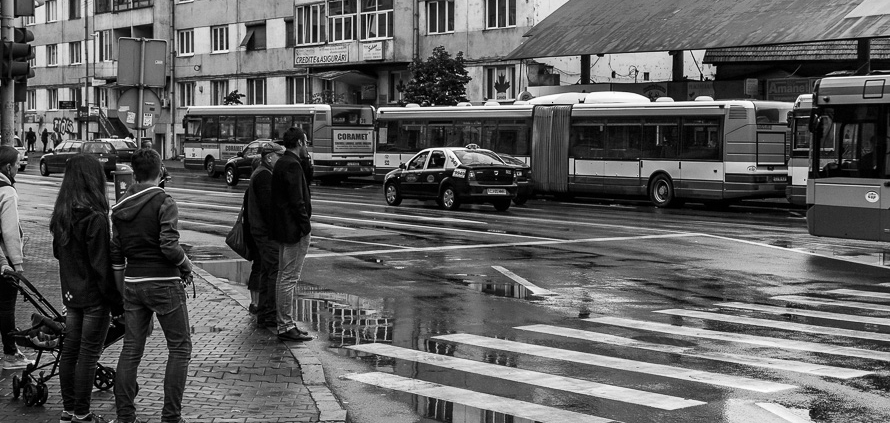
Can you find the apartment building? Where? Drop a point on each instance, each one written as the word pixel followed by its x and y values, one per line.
pixel 270 52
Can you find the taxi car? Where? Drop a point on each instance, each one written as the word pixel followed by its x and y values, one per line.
pixel 524 184
pixel 55 160
pixel 453 176
pixel 241 166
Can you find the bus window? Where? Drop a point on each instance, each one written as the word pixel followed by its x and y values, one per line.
pixel 587 140
pixel 244 130
pixel 511 137
pixel 281 125
pixel 437 135
pixel 700 139
pixel 192 128
pixel 658 139
pixel 305 123
pixel 227 128
pixel 263 127
pixel 342 115
pixel 210 127
pixel 468 132
pixel 623 139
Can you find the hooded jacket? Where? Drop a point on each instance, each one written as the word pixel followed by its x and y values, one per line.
pixel 85 264
pixel 9 223
pixel 146 241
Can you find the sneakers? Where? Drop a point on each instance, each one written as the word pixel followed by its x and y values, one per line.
pixel 294 335
pixel 90 418
pixel 16 361
pixel 65 417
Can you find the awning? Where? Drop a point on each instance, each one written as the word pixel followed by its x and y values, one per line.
pixel 351 77
pixel 609 27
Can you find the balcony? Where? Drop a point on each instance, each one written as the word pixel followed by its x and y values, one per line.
pixel 110 6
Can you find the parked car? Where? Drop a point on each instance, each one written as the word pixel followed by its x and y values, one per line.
pixel 453 176
pixel 54 161
pixel 20 147
pixel 124 148
pixel 524 183
pixel 241 166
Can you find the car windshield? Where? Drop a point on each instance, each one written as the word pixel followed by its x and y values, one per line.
pixel 123 144
pixel 477 157
pixel 511 160
pixel 97 148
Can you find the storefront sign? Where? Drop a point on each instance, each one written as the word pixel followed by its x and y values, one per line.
pixel 353 141
pixel 787 89
pixel 372 51
pixel 338 53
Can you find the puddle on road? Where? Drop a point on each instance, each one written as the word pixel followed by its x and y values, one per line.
pixel 203 253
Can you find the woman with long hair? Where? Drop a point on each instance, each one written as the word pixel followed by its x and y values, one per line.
pixel 11 256
pixel 82 244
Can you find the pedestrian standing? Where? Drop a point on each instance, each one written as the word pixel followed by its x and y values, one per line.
pixel 256 264
pixel 292 206
pixel 12 256
pixel 82 244
pixel 44 138
pixel 149 263
pixel 263 222
pixel 31 139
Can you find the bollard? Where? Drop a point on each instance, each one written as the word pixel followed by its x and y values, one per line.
pixel 123 178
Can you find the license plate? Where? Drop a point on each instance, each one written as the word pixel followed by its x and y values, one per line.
pixel 103 159
pixel 352 164
pixel 780 178
pixel 496 191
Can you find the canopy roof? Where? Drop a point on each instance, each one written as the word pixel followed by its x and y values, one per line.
pixel 628 26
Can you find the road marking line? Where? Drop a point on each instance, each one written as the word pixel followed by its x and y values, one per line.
pixel 765 341
pixel 829 302
pixel 856 293
pixel 482 401
pixel 784 413
pixel 561 383
pixel 793 250
pixel 534 289
pixel 730 381
pixel 879 321
pixel 501 245
pixel 755 361
pixel 314 237
pixel 776 324
pixel 434 228
pixel 433 218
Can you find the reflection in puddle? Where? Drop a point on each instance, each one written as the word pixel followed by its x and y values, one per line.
pixel 348 319
pixel 447 411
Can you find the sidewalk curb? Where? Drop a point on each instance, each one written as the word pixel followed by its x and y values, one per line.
pixel 329 408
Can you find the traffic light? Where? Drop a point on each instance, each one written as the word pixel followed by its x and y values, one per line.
pixel 15 64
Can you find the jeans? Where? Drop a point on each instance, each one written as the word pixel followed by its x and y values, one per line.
pixel 141 301
pixel 8 294
pixel 290 266
pixel 268 257
pixel 85 331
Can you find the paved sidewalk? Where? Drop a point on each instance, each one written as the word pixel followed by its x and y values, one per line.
pixel 238 373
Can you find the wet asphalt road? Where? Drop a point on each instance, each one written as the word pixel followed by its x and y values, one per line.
pixel 621 283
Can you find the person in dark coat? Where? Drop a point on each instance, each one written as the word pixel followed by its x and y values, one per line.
pixel 31 139
pixel 263 222
pixel 44 138
pixel 81 243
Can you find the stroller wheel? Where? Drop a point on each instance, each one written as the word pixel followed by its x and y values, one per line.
pixel 104 378
pixel 29 394
pixel 16 387
pixel 42 393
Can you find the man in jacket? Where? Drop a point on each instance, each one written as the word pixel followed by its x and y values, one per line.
pixel 149 263
pixel 263 223
pixel 291 203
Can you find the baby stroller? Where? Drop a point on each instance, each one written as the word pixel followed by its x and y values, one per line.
pixel 46 335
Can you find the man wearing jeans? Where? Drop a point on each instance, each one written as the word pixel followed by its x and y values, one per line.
pixel 290 201
pixel 149 263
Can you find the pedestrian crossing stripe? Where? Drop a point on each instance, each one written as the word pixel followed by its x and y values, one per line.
pixel 830 302
pixel 544 380
pixel 754 361
pixel 857 293
pixel 776 324
pixel 788 344
pixel 729 381
pixel 482 401
pixel 784 413
pixel 880 321
pixel 532 288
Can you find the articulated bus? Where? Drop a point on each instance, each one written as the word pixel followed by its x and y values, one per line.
pixel 799 163
pixel 711 151
pixel 848 193
pixel 340 137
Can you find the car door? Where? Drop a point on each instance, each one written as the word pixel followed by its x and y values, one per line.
pixel 249 154
pixel 411 176
pixel 433 174
pixel 56 162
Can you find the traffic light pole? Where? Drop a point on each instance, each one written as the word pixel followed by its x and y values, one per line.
pixel 7 86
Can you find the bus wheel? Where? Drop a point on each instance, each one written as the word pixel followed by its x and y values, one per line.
pixel 393 196
pixel 661 192
pixel 447 198
pixel 210 167
pixel 231 176
pixel 502 205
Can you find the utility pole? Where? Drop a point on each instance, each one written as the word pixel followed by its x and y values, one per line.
pixel 7 89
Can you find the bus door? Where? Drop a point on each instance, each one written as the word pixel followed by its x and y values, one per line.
pixel 701 154
pixel 621 168
pixel 660 150
pixel 412 177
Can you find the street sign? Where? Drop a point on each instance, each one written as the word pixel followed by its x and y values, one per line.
pixel 129 103
pixel 65 104
pixel 131 62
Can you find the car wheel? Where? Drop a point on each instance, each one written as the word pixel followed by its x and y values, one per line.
pixel 44 169
pixel 210 167
pixel 448 199
pixel 392 193
pixel 661 192
pixel 231 176
pixel 502 205
pixel 520 200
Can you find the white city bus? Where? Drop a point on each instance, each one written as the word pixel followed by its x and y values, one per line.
pixel 848 193
pixel 712 151
pixel 341 137
pixel 799 162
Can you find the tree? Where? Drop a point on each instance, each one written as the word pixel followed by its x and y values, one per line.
pixel 233 97
pixel 440 80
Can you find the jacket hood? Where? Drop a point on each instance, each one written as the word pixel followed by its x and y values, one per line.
pixel 137 196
